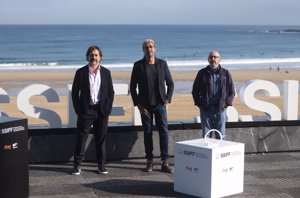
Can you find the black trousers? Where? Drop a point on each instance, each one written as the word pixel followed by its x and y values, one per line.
pixel 84 123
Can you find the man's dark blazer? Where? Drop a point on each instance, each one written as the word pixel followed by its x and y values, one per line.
pixel 81 91
pixel 139 79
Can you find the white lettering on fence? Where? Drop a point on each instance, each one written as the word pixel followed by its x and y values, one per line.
pixel 247 96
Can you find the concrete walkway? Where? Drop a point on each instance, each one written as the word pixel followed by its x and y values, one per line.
pixel 272 175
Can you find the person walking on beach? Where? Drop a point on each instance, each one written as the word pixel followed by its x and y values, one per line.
pixel 151 76
pixel 213 91
pixel 92 96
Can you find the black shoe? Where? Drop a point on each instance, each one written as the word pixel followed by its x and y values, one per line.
pixel 76 170
pixel 102 171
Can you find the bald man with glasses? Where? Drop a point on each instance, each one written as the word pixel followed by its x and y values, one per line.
pixel 213 91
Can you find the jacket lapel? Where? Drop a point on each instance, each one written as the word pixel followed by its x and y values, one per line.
pixel 86 80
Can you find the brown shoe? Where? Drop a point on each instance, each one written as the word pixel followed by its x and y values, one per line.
pixel 165 167
pixel 149 166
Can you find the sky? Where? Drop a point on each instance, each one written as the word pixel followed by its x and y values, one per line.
pixel 202 12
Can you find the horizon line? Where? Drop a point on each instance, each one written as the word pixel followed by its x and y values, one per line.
pixel 137 24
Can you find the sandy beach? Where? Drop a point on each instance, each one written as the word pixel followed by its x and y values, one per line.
pixel 67 75
pixel 181 108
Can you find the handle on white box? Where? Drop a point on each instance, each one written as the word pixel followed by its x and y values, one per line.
pixel 209 143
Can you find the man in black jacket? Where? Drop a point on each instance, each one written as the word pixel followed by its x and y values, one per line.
pixel 151 75
pixel 213 91
pixel 92 95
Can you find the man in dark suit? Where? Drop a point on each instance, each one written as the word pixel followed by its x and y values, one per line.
pixel 92 95
pixel 151 75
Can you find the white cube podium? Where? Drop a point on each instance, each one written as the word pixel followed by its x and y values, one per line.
pixel 212 171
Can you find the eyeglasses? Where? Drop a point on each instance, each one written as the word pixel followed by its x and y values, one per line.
pixel 216 57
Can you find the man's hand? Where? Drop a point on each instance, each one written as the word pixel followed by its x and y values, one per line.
pixel 166 102
pixel 143 110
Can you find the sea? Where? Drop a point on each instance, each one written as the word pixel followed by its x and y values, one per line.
pixel 184 47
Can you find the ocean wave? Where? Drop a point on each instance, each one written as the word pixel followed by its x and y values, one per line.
pixel 261 61
pixel 285 31
pixel 36 66
pixel 176 64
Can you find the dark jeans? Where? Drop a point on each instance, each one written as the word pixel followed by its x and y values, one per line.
pixel 159 112
pixel 84 124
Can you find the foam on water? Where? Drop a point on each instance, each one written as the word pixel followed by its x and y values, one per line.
pixel 178 64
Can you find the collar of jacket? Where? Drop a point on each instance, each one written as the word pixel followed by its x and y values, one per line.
pixel 221 70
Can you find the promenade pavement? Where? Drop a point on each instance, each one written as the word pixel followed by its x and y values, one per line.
pixel 270 175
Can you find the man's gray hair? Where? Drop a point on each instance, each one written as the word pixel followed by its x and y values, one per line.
pixel 148 41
